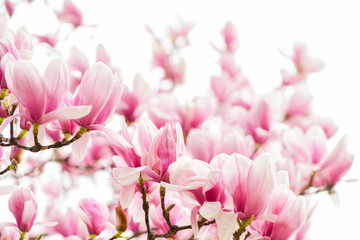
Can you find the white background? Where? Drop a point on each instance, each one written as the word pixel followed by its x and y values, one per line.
pixel 331 29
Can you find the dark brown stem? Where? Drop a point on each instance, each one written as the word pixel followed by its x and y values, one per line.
pixel 38 147
pixel 5 170
pixel 146 208
pixel 166 214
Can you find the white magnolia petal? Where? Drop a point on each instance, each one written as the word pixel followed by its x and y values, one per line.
pixel 210 209
pixel 226 225
pixel 80 146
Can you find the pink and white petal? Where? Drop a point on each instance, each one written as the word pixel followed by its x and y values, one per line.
pixel 80 146
pixel 112 134
pixel 226 224
pixel 73 112
pixel 7 224
pixel 127 195
pixel 6 189
pixel 107 226
pixel 102 55
pixel 57 79
pixel 8 120
pixel 29 88
pixel 7 67
pixel 138 214
pixel 234 172
pixel 4 18
pixel 180 143
pixel 193 220
pixel 27 218
pixel 268 217
pixel 113 99
pixel 127 176
pixel 46 224
pixel 316 140
pixel 210 209
pixel 78 60
pixel 260 182
pixel 84 217
pixel 257 236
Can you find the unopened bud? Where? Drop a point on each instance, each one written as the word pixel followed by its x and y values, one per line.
pixel 121 220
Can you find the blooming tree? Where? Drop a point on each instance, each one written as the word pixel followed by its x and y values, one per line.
pixel 230 164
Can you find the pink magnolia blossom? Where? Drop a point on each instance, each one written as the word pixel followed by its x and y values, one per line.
pixel 94 215
pixel 307 147
pixel 256 121
pixel 246 180
pixel 173 70
pixel 179 33
pixel 336 163
pixel 42 97
pixel 201 144
pixel 133 103
pixel 194 113
pixel 23 205
pixel 69 224
pixel 101 89
pixel 229 34
pixel 291 214
pixel 299 102
pixel 70 14
pixel 10 7
pixel 303 62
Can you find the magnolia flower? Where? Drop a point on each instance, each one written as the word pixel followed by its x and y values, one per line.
pixel 42 96
pixel 229 34
pixel 94 215
pixel 23 205
pixel 70 14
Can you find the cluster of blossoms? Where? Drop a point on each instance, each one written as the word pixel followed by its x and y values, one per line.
pixel 232 164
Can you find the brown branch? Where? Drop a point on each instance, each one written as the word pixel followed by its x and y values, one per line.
pixel 5 170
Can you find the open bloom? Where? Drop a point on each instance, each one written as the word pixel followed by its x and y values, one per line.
pixel 23 206
pixel 42 96
pixel 70 14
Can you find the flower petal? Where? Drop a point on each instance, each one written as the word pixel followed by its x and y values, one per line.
pixel 73 112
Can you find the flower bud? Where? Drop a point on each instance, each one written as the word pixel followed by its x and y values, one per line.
pixel 121 220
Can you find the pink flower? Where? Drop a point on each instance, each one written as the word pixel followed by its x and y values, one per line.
pixel 42 97
pixel 101 89
pixel 94 215
pixel 256 121
pixel 292 213
pixel 229 34
pixel 336 163
pixel 68 224
pixel 133 102
pixel 306 147
pixel 70 14
pixel 303 62
pixel 23 206
pixel 246 180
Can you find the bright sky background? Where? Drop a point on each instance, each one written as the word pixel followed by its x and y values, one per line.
pixel 331 29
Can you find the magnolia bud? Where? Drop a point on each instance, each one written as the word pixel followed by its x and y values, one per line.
pixel 121 220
